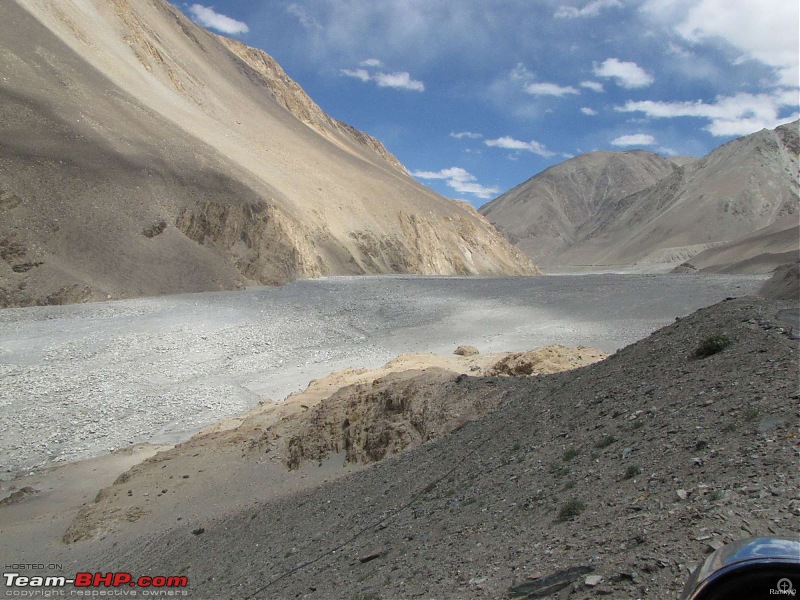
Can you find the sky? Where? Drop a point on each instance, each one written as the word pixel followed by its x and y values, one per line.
pixel 476 96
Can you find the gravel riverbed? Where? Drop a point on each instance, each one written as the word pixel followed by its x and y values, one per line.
pixel 82 380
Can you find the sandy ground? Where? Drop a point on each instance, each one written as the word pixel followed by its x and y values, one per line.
pixel 81 381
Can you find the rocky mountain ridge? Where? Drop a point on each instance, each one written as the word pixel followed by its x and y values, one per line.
pixel 543 216
pixel 743 186
pixel 140 154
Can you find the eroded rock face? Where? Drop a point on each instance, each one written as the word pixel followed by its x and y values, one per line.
pixel 383 416
pixel 260 241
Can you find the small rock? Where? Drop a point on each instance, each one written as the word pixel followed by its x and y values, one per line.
pixel 593 580
pixel 371 556
pixel 682 495
pixel 478 580
pixel 466 351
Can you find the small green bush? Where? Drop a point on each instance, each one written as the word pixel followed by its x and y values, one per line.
pixel 712 344
pixel 632 471
pixel 752 413
pixel 570 454
pixel 571 510
pixel 605 441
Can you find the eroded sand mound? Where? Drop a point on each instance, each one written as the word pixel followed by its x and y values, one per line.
pixel 346 419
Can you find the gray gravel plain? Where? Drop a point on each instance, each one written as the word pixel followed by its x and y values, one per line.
pixel 82 380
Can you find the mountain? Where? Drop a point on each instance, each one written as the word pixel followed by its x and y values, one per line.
pixel 745 185
pixel 543 215
pixel 141 154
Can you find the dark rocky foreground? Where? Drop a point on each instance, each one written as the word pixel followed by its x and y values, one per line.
pixel 633 468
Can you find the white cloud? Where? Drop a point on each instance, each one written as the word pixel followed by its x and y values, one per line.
pixel 370 62
pixel 466 134
pixel 401 80
pixel 588 111
pixel 627 74
pixel 740 114
pixel 764 31
pixel 549 89
pixel 460 180
pixel 636 139
pixel 361 74
pixel 520 73
pixel 305 18
pixel 510 143
pixel 592 9
pixel 595 86
pixel 208 17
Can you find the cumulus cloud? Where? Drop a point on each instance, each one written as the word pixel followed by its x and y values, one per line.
pixel 592 9
pixel 208 17
pixel 549 89
pixel 588 111
pixel 595 86
pixel 766 32
pixel 627 74
pixel 401 80
pixel 740 114
pixel 510 143
pixel 460 180
pixel 636 139
pixel 361 74
pixel 466 134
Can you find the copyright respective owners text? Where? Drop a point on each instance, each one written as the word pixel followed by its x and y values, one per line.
pixel 46 580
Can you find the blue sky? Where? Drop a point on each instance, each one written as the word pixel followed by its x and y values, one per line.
pixel 477 96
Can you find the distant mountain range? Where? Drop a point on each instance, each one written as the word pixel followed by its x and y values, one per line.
pixel 141 154
pixel 615 209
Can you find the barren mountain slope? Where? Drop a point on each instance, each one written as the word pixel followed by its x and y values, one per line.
pixel 631 467
pixel 542 215
pixel 141 154
pixel 757 252
pixel 740 187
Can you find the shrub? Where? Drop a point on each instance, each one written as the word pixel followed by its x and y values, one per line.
pixel 571 510
pixel 605 441
pixel 712 344
pixel 632 471
pixel 558 470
